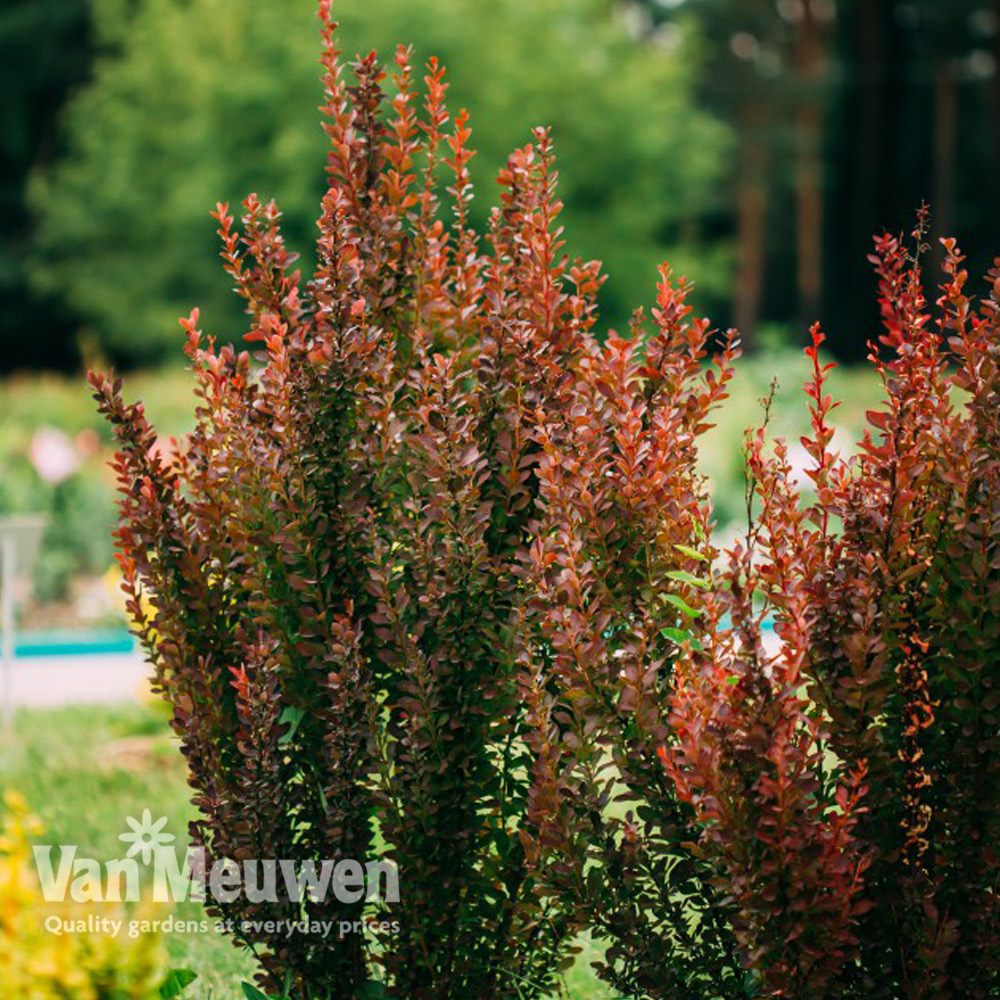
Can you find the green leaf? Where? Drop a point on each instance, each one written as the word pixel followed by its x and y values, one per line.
pixel 682 576
pixel 681 605
pixel 291 716
pixel 693 553
pixel 252 993
pixel 679 636
pixel 373 990
pixel 177 981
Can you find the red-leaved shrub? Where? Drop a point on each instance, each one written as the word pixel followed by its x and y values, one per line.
pixel 619 544
pixel 432 580
pixel 407 540
pixel 848 784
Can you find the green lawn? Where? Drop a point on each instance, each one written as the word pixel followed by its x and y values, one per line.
pixel 84 770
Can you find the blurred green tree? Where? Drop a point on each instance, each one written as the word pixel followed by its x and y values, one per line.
pixel 206 100
pixel 44 53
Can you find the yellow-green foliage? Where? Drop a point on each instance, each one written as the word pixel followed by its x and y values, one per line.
pixel 38 965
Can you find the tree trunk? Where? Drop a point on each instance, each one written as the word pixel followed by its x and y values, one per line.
pixel 865 213
pixel 809 165
pixel 995 114
pixel 751 218
pixel 945 141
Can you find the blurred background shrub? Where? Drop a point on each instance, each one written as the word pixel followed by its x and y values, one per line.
pixel 53 461
pixel 36 964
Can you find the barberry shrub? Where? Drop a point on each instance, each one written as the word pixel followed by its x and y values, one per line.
pixel 620 545
pixel 846 784
pixel 398 530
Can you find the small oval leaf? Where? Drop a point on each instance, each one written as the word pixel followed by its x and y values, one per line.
pixel 252 993
pixel 177 981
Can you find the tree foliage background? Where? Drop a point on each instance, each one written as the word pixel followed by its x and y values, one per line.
pixel 848 115
pixel 211 99
pixel 757 144
pixel 33 86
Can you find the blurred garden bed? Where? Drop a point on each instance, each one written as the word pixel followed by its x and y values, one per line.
pixel 84 770
pixel 54 454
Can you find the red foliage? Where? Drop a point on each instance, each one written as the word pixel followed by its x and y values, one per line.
pixel 618 541
pixel 395 530
pixel 847 785
pixel 750 753
pixel 432 580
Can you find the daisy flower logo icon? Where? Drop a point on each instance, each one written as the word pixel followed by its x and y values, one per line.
pixel 147 838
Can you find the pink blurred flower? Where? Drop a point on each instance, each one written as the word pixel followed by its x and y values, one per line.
pixel 53 454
